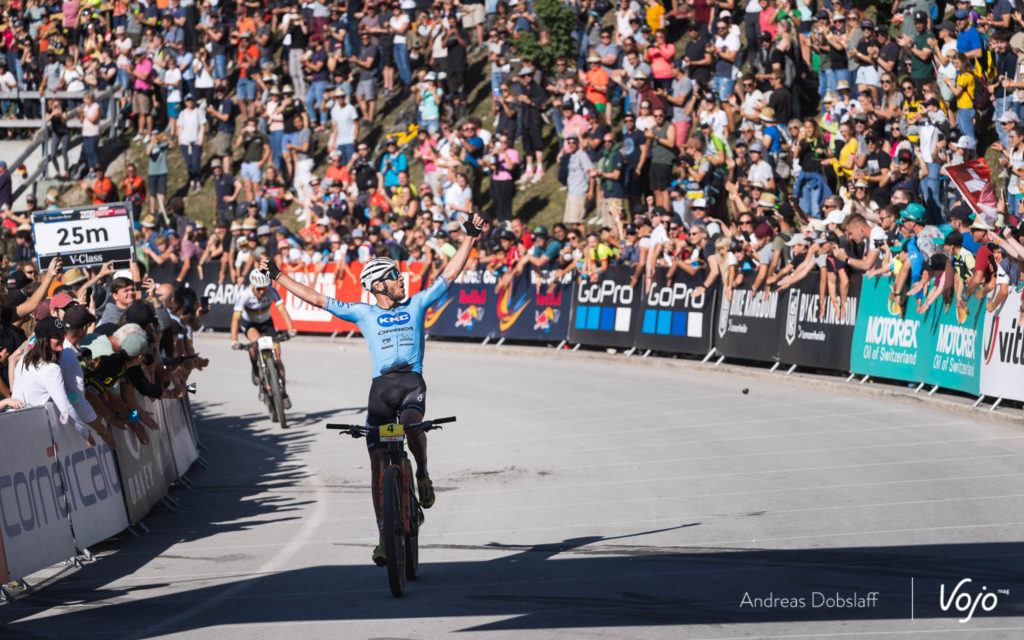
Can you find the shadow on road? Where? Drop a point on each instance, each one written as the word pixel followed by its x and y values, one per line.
pixel 578 583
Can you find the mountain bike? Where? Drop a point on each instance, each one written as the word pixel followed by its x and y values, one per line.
pixel 401 514
pixel 271 384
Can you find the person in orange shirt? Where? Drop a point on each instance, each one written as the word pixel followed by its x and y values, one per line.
pixel 134 188
pixel 337 172
pixel 102 190
pixel 248 68
pixel 243 23
pixel 596 81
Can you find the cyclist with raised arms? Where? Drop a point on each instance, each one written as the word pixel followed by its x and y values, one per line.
pixel 394 332
pixel 252 315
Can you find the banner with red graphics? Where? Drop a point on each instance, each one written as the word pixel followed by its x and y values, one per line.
pixel 1002 351
pixel 975 185
pixel 345 288
pixel 466 309
pixel 535 307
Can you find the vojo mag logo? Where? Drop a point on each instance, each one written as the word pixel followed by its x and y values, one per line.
pixel 792 315
pixel 393 319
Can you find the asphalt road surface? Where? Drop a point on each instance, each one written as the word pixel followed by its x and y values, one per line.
pixel 578 497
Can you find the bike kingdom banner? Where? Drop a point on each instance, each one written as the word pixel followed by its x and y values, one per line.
pixel 813 333
pixel 748 323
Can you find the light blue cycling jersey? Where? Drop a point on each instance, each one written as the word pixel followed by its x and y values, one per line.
pixel 395 336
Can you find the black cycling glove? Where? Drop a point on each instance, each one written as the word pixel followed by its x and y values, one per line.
pixel 472 230
pixel 273 270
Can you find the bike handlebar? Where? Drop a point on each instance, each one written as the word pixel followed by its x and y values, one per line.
pixel 279 338
pixel 359 430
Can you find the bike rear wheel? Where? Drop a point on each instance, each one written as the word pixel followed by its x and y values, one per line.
pixel 394 536
pixel 275 400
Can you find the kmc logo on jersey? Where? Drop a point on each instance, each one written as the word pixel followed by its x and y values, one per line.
pixel 393 319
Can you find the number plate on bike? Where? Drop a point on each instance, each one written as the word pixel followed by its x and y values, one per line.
pixel 391 433
pixel 265 342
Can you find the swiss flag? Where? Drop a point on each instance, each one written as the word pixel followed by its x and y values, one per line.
pixel 975 185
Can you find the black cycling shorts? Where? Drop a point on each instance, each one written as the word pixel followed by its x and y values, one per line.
pixel 266 328
pixel 390 395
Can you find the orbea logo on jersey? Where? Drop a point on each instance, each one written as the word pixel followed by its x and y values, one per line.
pixel 394 319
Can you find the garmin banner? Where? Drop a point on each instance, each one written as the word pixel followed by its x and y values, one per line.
pixel 1002 355
pixel 34 526
pixel 936 347
pixel 813 333
pixel 91 485
pixel 672 318
pixel 749 323
pixel 530 308
pixel 466 310
pixel 603 310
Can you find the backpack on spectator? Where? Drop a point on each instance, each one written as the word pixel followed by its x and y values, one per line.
pixel 982 97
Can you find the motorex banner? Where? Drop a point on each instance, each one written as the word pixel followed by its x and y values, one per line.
pixel 936 347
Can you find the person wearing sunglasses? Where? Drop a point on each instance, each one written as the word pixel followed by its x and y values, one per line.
pixel 394 331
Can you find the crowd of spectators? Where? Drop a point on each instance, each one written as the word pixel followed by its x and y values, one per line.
pixel 94 345
pixel 765 140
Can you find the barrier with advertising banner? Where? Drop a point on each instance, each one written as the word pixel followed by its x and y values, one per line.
pixel 467 309
pixel 91 485
pixel 531 309
pixel 936 348
pixel 34 527
pixel 674 320
pixel 749 323
pixel 143 468
pixel 604 310
pixel 813 334
pixel 175 422
pixel 1002 364
pixel 306 317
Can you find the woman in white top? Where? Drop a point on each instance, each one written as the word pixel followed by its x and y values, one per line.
pixel 38 376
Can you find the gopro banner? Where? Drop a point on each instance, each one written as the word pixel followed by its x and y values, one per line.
pixel 936 347
pixel 814 333
pixel 749 323
pixel 92 487
pixel 603 310
pixel 34 525
pixel 533 307
pixel 672 318
pixel 1002 355
pixel 466 310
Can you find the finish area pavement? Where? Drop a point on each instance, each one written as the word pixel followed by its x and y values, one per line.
pixel 578 496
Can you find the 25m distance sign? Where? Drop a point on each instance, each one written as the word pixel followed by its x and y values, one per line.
pixel 84 236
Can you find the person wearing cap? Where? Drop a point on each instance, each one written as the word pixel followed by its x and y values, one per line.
pixel 142 101
pixel 760 170
pixel 102 189
pixel 344 127
pixel 597 82
pixel 223 112
pixel 577 180
pixel 398 387
pixel 255 154
pixel 983 277
pixel 38 377
pixel 366 88
pixel 191 131
pixel 918 46
pixel 968 41
pixel 77 320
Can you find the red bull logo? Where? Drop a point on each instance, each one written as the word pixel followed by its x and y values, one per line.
pixel 543 319
pixel 551 300
pixel 473 297
pixel 469 316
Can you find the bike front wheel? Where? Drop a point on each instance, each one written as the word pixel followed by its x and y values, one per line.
pixel 276 394
pixel 394 534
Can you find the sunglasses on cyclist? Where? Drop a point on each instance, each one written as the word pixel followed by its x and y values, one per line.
pixel 394 274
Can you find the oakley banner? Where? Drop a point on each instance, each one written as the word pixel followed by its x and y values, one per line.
pixel 672 318
pixel 143 478
pixel 175 421
pixel 466 310
pixel 34 525
pixel 604 310
pixel 91 485
pixel 533 307
pixel 814 333
pixel 749 323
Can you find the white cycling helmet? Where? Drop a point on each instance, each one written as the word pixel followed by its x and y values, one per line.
pixel 374 270
pixel 258 279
